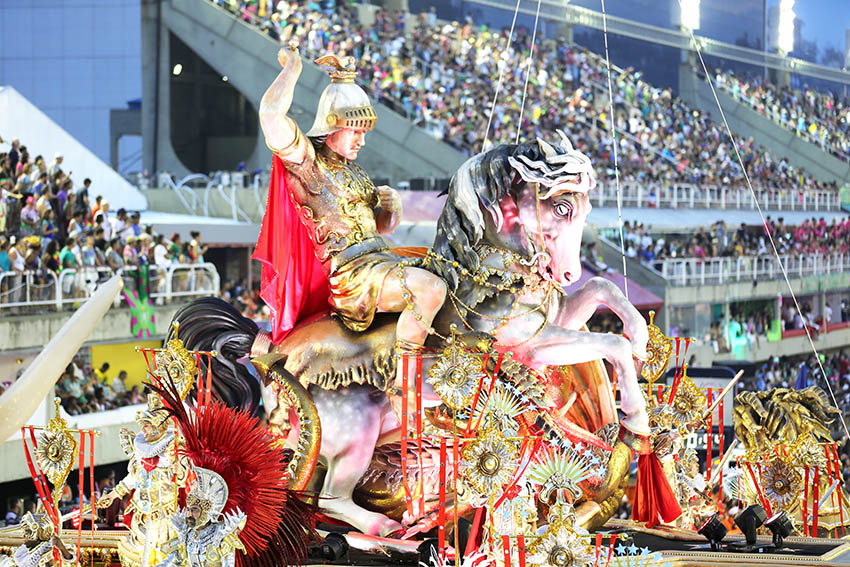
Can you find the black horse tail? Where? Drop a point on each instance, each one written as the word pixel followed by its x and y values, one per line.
pixel 209 324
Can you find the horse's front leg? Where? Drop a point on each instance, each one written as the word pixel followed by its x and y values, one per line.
pixel 577 308
pixel 559 346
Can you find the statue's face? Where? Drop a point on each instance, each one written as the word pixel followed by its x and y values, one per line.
pixel 558 222
pixel 347 142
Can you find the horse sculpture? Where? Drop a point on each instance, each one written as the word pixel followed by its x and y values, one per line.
pixel 507 240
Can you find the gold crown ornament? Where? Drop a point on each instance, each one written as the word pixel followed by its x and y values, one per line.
pixel 36 528
pixel 340 69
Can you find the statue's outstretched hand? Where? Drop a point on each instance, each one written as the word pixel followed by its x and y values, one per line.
pixel 289 57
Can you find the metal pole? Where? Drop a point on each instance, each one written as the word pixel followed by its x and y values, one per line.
pixel 156 88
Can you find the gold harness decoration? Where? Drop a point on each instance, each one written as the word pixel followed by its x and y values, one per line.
pixel 355 202
pixel 658 348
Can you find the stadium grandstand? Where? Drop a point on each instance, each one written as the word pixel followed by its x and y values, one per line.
pixel 721 209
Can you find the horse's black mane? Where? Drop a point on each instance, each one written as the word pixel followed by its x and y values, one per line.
pixel 461 224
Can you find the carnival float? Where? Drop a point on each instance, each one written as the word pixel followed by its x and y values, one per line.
pixel 441 406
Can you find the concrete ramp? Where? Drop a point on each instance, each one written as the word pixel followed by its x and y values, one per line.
pixel 395 150
pixel 747 122
pixel 19 118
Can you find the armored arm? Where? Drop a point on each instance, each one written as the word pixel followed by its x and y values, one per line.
pixel 283 136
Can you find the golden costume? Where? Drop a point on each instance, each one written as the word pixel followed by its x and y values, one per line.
pixel 336 201
pixel 153 479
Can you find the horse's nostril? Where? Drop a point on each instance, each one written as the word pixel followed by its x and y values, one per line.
pixel 568 277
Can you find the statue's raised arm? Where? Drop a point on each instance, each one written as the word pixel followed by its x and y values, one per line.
pixel 283 137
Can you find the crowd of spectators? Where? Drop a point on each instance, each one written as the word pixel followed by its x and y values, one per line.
pixel 444 76
pixel 812 237
pixel 47 225
pixel 247 300
pixel 821 117
pixel 111 518
pixel 84 389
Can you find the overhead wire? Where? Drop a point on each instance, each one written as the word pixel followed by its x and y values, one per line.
pixel 502 66
pixel 527 73
pixel 764 224
pixel 614 144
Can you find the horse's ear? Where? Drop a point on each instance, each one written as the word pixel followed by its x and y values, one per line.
pixel 546 148
pixel 565 143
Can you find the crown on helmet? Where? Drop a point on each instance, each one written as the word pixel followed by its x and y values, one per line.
pixel 155 413
pixel 209 493
pixel 563 168
pixel 40 528
pixel 342 104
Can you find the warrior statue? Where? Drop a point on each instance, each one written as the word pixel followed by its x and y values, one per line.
pixel 319 195
pixel 153 478
pixel 39 543
pixel 507 242
pixel 205 536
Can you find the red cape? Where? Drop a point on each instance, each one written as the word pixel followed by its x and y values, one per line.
pixel 293 283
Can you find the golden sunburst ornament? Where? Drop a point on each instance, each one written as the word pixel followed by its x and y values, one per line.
pixel 782 483
pixel 689 405
pixel 560 545
pixel 559 471
pixel 177 362
pixel 489 462
pixel 658 348
pixel 499 410
pixel 455 376
pixel 56 451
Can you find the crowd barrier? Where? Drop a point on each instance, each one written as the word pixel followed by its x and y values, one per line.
pixel 712 271
pixel 693 196
pixel 52 291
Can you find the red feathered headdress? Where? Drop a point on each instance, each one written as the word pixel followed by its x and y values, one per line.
pixel 279 525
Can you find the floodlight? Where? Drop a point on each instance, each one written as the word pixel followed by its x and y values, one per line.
pixel 178 68
pixel 690 14
pixel 334 547
pixel 785 35
pixel 749 522
pixel 780 526
pixel 713 530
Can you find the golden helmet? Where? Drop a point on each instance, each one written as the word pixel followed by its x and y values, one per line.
pixel 342 104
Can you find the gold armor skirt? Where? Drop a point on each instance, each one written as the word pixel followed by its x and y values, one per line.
pixel 355 286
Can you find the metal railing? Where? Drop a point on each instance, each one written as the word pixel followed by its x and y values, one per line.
pixel 714 271
pixel 693 196
pixel 34 291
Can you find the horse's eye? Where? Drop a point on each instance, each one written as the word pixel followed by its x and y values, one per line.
pixel 563 210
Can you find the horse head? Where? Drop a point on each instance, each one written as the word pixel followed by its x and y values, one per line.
pixel 531 199
pixel 553 205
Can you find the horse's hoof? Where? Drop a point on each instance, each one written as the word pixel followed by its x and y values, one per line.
pixel 637 441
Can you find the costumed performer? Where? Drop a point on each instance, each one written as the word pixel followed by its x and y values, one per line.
pixel 154 476
pixel 39 542
pixel 205 536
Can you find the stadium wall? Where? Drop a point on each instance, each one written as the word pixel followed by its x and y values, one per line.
pixel 397 150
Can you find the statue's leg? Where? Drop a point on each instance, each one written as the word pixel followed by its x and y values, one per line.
pixel 559 346
pixel 352 420
pixel 417 295
pixel 577 308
